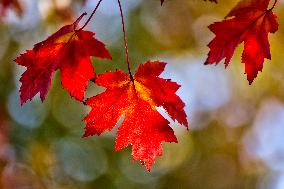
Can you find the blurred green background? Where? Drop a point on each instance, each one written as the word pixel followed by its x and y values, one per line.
pixel 235 140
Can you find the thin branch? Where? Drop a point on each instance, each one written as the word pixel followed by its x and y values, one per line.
pixel 274 4
pixel 125 40
pixel 91 16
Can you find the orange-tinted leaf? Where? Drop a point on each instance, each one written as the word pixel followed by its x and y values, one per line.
pixel 249 22
pixel 68 50
pixel 143 127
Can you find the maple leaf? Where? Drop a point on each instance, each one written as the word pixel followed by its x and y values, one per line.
pixel 249 22
pixel 137 98
pixel 68 50
pixel 6 4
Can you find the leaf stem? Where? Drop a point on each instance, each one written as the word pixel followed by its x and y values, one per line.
pixel 91 16
pixel 274 4
pixel 125 40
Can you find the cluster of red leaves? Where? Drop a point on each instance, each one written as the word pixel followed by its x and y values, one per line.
pixel 69 50
pixel 7 4
pixel 135 98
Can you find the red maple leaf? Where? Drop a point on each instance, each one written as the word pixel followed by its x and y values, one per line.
pixel 249 22
pixel 137 98
pixel 68 50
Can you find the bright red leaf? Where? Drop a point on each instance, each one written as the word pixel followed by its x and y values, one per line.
pixel 249 22
pixel 68 50
pixel 137 98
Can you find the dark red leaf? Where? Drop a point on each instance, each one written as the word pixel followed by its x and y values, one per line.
pixel 249 22
pixel 7 4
